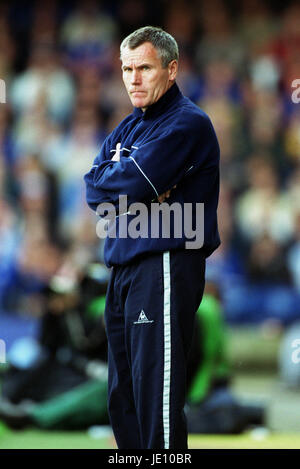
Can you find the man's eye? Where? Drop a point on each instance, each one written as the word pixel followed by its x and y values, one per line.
pixel 145 67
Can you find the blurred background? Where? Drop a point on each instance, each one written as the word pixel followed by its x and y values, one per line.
pixel 64 94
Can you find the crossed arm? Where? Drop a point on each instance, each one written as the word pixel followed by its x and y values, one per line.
pixel 160 198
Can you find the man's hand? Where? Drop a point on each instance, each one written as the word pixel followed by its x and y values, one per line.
pixel 165 195
pixel 116 156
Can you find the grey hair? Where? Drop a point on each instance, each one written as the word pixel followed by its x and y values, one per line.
pixel 163 42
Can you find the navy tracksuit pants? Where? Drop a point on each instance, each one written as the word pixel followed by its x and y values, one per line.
pixel 150 311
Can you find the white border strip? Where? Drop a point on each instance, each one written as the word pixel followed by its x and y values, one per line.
pixel 144 175
pixel 167 348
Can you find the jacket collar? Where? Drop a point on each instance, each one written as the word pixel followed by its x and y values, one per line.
pixel 161 105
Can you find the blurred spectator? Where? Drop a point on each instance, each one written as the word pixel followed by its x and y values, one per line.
pixel 33 187
pixel 132 14
pixel 181 23
pixel 223 115
pixel 264 115
pixel 87 36
pixel 264 73
pixel 68 157
pixel 292 137
pixel 256 26
pixel 188 79
pixel 113 96
pixel 10 236
pixel 7 154
pixel 219 39
pixel 7 46
pixel 218 93
pixel 89 87
pixel 44 85
pixel 31 130
pixel 44 27
pixel 293 191
pixel 285 46
pixel 294 254
pixel 225 267
pixel 266 262
pixel 264 208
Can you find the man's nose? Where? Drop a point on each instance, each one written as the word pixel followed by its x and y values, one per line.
pixel 135 77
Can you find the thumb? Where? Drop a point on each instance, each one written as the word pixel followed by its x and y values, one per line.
pixel 116 156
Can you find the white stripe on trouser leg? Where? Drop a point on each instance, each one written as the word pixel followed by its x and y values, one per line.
pixel 167 349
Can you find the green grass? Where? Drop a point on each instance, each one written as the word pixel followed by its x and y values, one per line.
pixel 37 439
pixel 245 441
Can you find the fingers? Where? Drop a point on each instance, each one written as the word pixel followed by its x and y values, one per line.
pixel 164 196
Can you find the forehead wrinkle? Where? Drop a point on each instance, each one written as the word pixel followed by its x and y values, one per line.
pixel 143 54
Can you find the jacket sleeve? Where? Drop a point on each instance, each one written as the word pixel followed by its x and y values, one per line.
pixel 151 169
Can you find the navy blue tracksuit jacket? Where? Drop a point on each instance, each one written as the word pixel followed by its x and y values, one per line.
pixel 156 283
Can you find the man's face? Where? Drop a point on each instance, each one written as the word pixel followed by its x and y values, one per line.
pixel 144 77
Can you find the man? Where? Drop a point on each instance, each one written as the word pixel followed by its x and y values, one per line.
pixel 165 150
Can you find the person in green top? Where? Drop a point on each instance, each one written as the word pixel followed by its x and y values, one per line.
pixel 211 406
pixel 213 368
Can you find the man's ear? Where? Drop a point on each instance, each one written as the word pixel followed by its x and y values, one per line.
pixel 173 68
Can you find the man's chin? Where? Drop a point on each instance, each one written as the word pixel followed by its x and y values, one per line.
pixel 139 103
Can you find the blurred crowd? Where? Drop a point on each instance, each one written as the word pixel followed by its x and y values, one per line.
pixel 60 62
